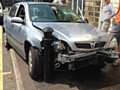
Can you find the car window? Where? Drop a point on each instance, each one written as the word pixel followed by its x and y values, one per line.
pixel 13 10
pixel 51 13
pixel 41 13
pixel 21 12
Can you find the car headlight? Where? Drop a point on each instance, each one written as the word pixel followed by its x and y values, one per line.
pixel 58 46
pixel 113 43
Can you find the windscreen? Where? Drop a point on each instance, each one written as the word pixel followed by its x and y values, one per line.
pixel 52 13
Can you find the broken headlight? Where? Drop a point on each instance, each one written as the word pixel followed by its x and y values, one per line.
pixel 58 46
pixel 113 43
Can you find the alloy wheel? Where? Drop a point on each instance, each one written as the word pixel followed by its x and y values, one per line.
pixel 5 39
pixel 30 61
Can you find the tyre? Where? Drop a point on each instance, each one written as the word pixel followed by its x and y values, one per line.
pixel 1 20
pixel 7 45
pixel 35 63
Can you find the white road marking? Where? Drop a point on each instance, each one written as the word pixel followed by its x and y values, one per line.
pixel 16 71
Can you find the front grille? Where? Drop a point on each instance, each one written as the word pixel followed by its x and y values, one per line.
pixel 90 45
pixel 100 44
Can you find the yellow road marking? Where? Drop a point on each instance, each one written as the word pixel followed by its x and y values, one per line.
pixel 1 63
pixel 5 73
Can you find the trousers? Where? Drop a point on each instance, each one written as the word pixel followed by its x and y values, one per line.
pixel 105 26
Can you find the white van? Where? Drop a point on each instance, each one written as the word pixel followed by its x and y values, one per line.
pixel 1 14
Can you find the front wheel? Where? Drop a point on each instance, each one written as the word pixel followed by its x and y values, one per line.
pixel 35 63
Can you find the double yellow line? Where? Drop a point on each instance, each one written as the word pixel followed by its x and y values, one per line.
pixel 18 78
pixel 1 62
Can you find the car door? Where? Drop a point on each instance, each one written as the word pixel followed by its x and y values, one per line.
pixel 19 31
pixel 8 24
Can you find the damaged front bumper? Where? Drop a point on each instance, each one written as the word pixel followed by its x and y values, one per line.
pixel 65 58
pixel 109 53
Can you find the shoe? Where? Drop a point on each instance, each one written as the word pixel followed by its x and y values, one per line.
pixel 116 63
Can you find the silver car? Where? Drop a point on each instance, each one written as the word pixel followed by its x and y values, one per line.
pixel 73 43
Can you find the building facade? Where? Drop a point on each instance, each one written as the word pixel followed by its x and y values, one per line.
pixel 93 9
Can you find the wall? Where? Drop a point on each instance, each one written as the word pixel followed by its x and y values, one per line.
pixel 92 11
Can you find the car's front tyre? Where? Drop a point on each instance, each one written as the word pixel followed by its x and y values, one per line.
pixel 35 63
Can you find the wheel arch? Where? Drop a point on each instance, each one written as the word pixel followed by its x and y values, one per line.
pixel 27 44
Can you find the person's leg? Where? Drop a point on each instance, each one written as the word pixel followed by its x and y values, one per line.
pixel 116 33
pixel 101 25
pixel 118 42
pixel 119 47
pixel 105 26
pixel 117 61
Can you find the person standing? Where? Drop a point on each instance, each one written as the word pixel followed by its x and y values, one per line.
pixel 62 2
pixel 107 13
pixel 116 33
pixel 57 1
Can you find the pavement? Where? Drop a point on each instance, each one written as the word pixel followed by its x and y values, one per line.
pixel 7 80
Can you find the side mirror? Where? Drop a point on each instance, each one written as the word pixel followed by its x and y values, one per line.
pixel 17 20
pixel 86 20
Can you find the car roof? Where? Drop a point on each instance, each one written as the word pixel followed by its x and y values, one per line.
pixel 30 2
pixel 39 3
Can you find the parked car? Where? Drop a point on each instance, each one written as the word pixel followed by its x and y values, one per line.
pixel 1 13
pixel 74 42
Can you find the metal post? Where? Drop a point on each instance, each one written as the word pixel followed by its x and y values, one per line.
pixel 77 6
pixel 82 7
pixel 47 54
pixel 81 13
pixel 101 6
pixel 72 5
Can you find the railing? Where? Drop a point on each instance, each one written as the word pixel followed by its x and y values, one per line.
pixel 77 6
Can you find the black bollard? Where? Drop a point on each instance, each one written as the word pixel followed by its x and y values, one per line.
pixel 47 54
